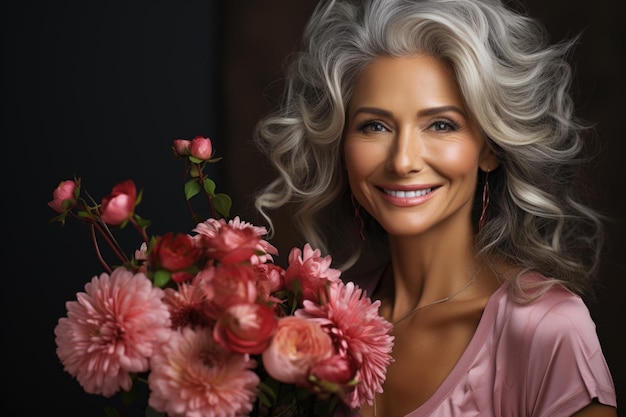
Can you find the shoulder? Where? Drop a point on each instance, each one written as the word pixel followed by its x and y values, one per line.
pixel 551 347
pixel 557 316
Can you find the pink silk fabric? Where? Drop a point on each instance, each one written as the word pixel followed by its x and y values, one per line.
pixel 540 359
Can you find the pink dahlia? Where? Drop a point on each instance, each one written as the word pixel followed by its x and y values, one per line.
pixel 359 332
pixel 192 376
pixel 111 331
pixel 312 270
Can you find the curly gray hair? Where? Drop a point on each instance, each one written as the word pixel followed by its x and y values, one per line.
pixel 516 86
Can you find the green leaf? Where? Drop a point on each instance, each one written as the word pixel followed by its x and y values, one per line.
pixel 222 204
pixel 139 197
pixel 110 412
pixel 195 160
pixel 191 188
pixel 209 186
pixel 161 278
pixel 129 396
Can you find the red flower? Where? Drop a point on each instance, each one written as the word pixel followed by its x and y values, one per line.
pixel 119 205
pixel 175 253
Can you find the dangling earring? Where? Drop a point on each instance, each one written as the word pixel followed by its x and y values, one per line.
pixel 481 221
pixel 358 220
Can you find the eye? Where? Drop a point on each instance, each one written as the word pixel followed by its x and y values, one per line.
pixel 371 126
pixel 444 125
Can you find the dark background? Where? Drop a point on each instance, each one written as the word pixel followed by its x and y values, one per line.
pixel 100 89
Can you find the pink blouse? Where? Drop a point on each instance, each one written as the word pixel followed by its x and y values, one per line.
pixel 539 359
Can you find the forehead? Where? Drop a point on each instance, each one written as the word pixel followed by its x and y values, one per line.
pixel 412 76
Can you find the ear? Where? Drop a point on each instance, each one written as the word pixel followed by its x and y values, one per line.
pixel 488 160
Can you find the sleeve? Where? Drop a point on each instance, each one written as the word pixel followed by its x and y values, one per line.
pixel 567 369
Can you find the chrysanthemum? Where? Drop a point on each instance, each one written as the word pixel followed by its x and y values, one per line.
pixel 192 376
pixel 360 332
pixel 111 331
pixel 235 236
pixel 187 306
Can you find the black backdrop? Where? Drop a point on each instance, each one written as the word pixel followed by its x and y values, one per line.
pixel 99 90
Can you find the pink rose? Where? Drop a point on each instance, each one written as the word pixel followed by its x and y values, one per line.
pixel 63 196
pixel 298 344
pixel 201 148
pixel 175 253
pixel 226 285
pixel 119 205
pixel 181 147
pixel 245 328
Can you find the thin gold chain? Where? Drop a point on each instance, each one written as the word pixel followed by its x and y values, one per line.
pixel 443 300
pixel 417 308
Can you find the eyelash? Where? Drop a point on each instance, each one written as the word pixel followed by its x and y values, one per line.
pixel 362 126
pixel 450 125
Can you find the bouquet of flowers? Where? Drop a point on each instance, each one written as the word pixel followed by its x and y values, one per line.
pixel 207 319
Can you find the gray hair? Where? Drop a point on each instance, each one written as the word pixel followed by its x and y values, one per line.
pixel 515 84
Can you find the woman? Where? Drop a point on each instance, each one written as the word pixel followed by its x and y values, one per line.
pixel 438 137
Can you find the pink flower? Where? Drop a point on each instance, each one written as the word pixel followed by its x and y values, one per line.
pixel 187 306
pixel 63 197
pixel 119 205
pixel 313 272
pixel 201 148
pixel 111 331
pixel 334 375
pixel 245 328
pixel 227 285
pixel 296 347
pixel 235 241
pixel 191 376
pixel 269 280
pixel 359 332
pixel 181 147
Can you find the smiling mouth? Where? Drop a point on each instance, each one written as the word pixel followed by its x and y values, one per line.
pixel 408 194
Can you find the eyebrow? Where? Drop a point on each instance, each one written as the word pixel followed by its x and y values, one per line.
pixel 426 112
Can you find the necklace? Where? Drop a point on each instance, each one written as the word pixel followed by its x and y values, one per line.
pixel 417 308
pixel 443 300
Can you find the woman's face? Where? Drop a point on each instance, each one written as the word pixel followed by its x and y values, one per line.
pixel 412 153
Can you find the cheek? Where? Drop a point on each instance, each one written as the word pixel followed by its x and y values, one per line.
pixel 358 160
pixel 457 160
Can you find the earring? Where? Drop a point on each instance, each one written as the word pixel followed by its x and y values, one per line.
pixel 358 220
pixel 481 221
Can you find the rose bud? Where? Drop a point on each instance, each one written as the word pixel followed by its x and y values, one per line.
pixel 245 328
pixel 298 344
pixel 201 148
pixel 63 196
pixel 119 205
pixel 334 375
pixel 181 147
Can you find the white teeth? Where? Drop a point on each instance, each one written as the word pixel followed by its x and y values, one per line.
pixel 408 194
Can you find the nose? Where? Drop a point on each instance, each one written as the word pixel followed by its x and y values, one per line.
pixel 405 153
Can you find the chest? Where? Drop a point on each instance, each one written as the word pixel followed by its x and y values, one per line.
pixel 426 349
